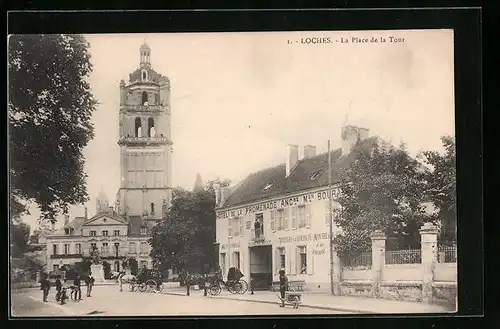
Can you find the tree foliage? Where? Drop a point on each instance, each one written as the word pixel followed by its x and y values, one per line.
pixel 19 238
pixel 185 237
pixel 132 264
pixel 380 190
pixel 441 188
pixel 50 108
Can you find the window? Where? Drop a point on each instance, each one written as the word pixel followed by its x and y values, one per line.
pixel 304 214
pixel 268 186
pixel 144 263
pixel 144 98
pixel 144 247
pixel 78 248
pixel 293 211
pixel 282 219
pixel 259 218
pixel 240 220
pixel 237 259
pixel 55 267
pixel 302 260
pixel 66 249
pixel 93 246
pixel 93 233
pixel 157 99
pixel 54 249
pixel 116 232
pixel 229 227
pixel 104 233
pixel 281 258
pixel 131 247
pixel 151 127
pixel 105 248
pixel 315 175
pixel 248 225
pixel 144 230
pixel 152 208
pixel 117 248
pixel 138 125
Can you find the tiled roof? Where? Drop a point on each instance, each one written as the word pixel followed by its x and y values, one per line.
pixel 308 173
pixel 75 224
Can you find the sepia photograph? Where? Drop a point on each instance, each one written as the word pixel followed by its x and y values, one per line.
pixel 236 173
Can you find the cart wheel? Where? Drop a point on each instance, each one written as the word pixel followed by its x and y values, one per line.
pixel 214 290
pixel 244 287
pixel 150 285
pixel 142 287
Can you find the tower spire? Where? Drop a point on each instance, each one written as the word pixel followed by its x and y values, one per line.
pixel 145 53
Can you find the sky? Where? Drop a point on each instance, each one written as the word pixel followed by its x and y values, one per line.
pixel 239 98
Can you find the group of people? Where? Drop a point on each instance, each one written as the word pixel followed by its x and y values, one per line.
pixel 59 284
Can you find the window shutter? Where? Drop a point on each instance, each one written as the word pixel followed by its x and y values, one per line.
pixel 285 219
pixel 229 228
pixel 308 214
pixel 275 260
pixel 310 265
pixel 293 257
pixel 273 220
pixel 294 217
pixel 288 261
pixel 241 225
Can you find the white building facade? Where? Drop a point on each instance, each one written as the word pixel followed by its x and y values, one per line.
pixel 278 218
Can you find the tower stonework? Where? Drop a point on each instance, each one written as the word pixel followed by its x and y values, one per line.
pixel 145 142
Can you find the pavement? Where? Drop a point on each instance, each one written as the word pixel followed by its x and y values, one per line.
pixel 109 301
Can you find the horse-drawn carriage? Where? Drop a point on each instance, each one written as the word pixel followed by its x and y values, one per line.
pixel 234 284
pixel 147 280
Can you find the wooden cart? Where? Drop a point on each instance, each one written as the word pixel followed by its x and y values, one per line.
pixel 292 298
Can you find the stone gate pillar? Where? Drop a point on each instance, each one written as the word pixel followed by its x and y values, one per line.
pixel 428 238
pixel 378 260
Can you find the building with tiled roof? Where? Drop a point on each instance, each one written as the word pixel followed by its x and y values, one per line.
pixel 278 218
pixel 144 193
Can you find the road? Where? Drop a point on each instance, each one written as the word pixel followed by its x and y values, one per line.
pixel 108 301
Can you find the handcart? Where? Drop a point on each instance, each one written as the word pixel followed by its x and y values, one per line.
pixel 292 298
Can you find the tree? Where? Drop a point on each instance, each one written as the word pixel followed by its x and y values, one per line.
pixel 132 264
pixel 380 190
pixel 19 238
pixel 442 187
pixel 50 108
pixel 184 239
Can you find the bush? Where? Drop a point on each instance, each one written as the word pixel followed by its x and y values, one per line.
pixel 107 270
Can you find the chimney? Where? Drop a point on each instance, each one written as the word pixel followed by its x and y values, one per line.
pixel 86 213
pixel 217 194
pixel 350 136
pixel 53 225
pixel 66 220
pixel 309 151
pixel 292 157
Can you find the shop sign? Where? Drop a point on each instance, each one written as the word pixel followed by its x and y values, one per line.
pixel 304 238
pixel 319 249
pixel 254 243
pixel 278 204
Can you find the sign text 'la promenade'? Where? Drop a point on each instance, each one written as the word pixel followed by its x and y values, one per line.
pixel 277 204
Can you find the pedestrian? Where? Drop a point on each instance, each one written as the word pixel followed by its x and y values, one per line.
pixel 77 283
pixel 283 287
pixel 89 282
pixel 120 279
pixel 58 285
pixel 45 286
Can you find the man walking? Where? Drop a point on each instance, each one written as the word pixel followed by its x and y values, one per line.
pixel 120 280
pixel 89 281
pixel 58 285
pixel 45 286
pixel 283 287
pixel 77 283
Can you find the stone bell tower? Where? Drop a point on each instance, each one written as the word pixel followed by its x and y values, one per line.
pixel 145 142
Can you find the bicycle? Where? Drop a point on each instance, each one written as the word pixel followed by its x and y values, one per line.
pixel 74 294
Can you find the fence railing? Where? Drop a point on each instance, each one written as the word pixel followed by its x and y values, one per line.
pixel 447 254
pixel 410 256
pixel 358 259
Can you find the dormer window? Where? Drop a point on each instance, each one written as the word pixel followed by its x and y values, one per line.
pixel 268 186
pixel 144 75
pixel 315 175
pixel 66 231
pixel 143 230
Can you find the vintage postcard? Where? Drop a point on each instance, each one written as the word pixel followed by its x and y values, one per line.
pixel 198 174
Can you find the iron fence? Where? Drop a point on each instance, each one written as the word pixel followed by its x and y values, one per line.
pixel 409 256
pixel 447 254
pixel 358 259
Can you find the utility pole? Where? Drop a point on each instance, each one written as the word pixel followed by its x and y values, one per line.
pixel 332 290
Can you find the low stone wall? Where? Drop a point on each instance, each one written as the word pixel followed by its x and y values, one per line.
pixel 444 293
pixel 445 272
pixel 357 288
pixel 401 290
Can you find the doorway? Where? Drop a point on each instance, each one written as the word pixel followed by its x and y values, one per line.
pixel 261 267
